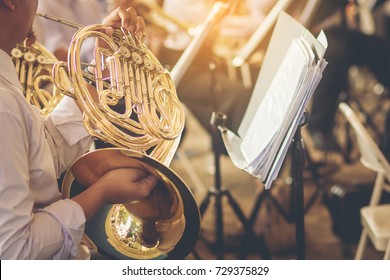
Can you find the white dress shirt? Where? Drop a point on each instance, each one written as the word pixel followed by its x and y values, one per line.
pixel 54 35
pixel 34 222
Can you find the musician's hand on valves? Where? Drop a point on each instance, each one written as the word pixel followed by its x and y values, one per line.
pixel 126 18
pixel 120 18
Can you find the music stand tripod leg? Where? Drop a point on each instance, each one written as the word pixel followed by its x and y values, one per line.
pixel 218 192
pixel 246 224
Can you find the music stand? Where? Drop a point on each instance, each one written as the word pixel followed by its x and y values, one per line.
pixel 291 70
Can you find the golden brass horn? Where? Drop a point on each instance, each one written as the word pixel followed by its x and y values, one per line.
pixel 153 117
pixel 166 224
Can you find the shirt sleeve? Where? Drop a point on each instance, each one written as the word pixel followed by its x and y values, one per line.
pixel 25 233
pixel 67 212
pixel 66 135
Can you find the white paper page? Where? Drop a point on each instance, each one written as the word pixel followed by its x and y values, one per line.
pixel 272 110
pixel 285 145
pixel 321 38
pixel 258 168
pixel 285 31
pixel 281 143
pixel 300 95
pixel 233 146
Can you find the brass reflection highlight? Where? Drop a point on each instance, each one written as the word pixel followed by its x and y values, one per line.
pixel 147 228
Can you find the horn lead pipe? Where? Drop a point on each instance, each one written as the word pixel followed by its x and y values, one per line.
pixel 60 20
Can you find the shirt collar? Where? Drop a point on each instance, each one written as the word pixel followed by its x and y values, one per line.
pixel 7 69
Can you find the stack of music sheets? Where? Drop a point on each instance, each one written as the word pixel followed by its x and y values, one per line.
pixel 290 73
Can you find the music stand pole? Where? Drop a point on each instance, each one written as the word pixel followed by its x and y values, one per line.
pixel 298 165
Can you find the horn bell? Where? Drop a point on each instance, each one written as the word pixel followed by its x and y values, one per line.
pixel 164 225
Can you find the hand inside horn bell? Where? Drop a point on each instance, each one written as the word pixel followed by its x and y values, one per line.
pixel 161 217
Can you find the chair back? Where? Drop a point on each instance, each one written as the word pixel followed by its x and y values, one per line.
pixel 373 217
pixel 370 154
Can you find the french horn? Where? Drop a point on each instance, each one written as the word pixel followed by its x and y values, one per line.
pixel 146 128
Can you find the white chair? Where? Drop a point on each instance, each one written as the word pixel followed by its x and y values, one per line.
pixel 375 217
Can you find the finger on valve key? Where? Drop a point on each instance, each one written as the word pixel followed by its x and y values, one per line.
pixel 125 18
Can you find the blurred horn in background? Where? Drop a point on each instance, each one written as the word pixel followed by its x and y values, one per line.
pixel 166 224
pixel 305 9
pixel 254 49
pixel 217 12
pixel 34 65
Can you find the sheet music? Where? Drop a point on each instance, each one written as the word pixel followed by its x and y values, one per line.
pixel 273 109
pixel 285 31
pixel 290 134
pixel 291 71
